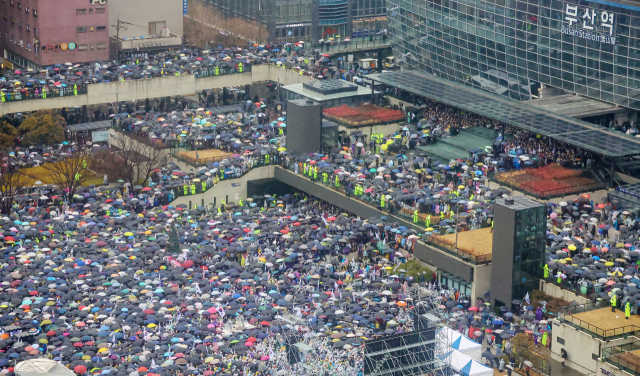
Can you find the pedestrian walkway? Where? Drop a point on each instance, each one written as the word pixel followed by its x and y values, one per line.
pixel 443 152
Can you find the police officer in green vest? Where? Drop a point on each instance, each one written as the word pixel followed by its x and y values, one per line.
pixel 442 215
pixel 546 271
pixel 337 183
pixel 415 216
pixel 217 71
pixel 44 92
pixel 382 201
pixel 325 177
pixel 75 89
pixel 304 168
pixel 204 186
pixel 193 188
pixel 185 190
pixel 427 221
pixel 3 96
pixel 222 203
pixel 240 67
pixel 614 301
pixel 220 209
pixel 266 159
pixel 240 202
pixel 627 310
pixel 315 174
pixel 311 169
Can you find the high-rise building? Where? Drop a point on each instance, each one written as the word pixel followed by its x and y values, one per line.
pixel 515 47
pixel 38 33
pixel 309 20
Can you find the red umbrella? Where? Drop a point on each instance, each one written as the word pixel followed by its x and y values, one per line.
pixel 264 323
pixel 78 344
pixel 80 369
pixel 149 311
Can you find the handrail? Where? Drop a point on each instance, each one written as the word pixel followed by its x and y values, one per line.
pixel 566 315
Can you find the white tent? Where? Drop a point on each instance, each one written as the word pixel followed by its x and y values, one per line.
pixel 466 365
pixel 41 367
pixel 463 344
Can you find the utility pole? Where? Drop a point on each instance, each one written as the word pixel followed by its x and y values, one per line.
pixel 119 26
pixel 259 22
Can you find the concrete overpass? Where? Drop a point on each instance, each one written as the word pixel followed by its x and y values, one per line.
pixel 159 87
pixel 234 189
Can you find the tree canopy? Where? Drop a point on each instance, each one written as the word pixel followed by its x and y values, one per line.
pixel 8 134
pixel 43 127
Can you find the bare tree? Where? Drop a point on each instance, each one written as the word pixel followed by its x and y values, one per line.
pixel 10 183
pixel 133 160
pixel 71 173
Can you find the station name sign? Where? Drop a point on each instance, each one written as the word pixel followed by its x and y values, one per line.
pixel 587 23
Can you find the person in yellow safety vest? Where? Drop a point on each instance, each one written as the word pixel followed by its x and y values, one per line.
pixel 491 225
pixel 2 96
pixel 240 202
pixel 266 158
pixel 337 183
pixel 44 92
pixel 204 186
pixel 441 215
pixel 185 189
pixel 304 168
pixel 217 71
pixel 382 200
pixel 75 89
pixel 627 310
pixel 427 222
pixel 315 174
pixel 222 203
pixel 219 209
pixel 193 189
pixel 471 197
pixel 614 301
pixel 281 131
pixel 311 169
pixel 415 216
pixel 325 177
pixel 240 67
pixel 546 271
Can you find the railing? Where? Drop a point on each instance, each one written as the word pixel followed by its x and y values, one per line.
pixel 222 71
pixel 353 44
pixel 401 214
pixel 28 94
pixel 566 315
pixel 195 162
pixel 451 249
pixel 550 193
pixel 622 357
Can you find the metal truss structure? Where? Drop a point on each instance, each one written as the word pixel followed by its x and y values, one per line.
pixel 308 361
pixel 424 351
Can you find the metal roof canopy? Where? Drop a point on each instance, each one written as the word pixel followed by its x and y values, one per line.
pixel 105 124
pixel 521 115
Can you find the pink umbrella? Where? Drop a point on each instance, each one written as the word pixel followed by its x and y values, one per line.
pixel 264 358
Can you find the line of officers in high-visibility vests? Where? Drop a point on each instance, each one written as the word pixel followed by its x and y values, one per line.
pixel 614 298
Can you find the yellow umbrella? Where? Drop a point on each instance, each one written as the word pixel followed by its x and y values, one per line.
pixel 384 147
pixel 608 263
pixel 103 350
pixel 572 247
pixel 388 267
pixel 282 149
pixel 128 233
pixel 429 229
pixel 151 325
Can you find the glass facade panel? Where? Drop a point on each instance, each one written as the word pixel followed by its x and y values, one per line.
pixel 585 47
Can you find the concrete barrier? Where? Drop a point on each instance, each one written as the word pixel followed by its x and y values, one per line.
pixel 158 87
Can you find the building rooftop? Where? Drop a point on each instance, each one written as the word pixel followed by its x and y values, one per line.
pixel 518 114
pixel 320 97
pixel 576 106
